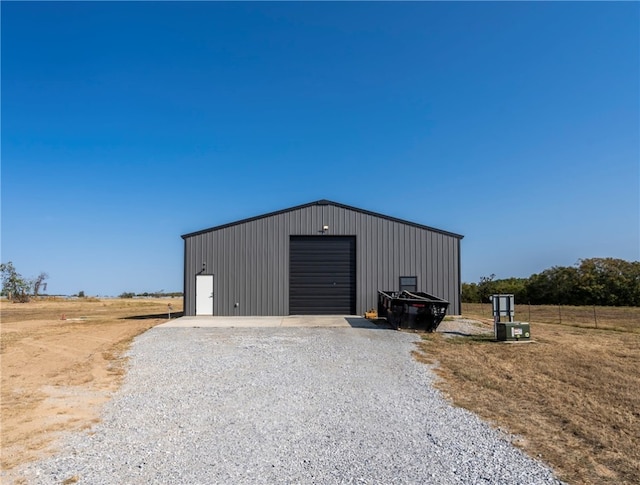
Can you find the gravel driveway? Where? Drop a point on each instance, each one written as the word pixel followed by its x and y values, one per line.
pixel 284 405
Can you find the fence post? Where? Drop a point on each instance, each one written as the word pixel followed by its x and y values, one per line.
pixel 560 313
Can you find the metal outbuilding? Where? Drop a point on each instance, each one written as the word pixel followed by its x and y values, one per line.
pixel 318 258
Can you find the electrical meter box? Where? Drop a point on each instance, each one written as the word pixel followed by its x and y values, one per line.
pixel 513 331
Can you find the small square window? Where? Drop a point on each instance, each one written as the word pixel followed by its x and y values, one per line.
pixel 408 283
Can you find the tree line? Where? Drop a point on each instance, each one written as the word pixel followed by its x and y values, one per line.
pixel 595 281
pixel 18 288
pixel 154 294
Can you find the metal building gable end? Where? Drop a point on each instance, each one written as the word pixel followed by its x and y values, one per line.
pixel 322 202
pixel 252 266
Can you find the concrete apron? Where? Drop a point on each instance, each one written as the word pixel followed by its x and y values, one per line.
pixel 287 321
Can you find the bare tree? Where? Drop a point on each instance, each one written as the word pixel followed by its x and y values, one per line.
pixel 38 282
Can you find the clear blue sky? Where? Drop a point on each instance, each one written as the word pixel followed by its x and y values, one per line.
pixel 125 125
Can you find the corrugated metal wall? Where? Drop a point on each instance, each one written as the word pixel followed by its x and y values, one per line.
pixel 250 260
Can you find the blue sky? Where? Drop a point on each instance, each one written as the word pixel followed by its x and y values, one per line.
pixel 125 125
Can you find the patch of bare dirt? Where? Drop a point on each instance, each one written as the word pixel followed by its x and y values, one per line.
pixel 461 326
pixel 56 373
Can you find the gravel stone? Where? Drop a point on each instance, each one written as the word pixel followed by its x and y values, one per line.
pixel 284 405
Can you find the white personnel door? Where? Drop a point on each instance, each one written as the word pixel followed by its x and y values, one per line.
pixel 204 294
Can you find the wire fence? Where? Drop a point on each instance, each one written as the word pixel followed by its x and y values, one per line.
pixel 611 318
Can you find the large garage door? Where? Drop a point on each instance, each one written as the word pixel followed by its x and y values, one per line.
pixel 322 275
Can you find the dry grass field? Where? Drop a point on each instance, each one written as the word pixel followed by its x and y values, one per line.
pixel 572 397
pixel 57 372
pixel 612 318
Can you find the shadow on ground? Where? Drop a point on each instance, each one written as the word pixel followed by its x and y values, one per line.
pixel 155 316
pixel 380 323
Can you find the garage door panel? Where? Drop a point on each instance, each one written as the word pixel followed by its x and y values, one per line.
pixel 322 280
pixel 322 275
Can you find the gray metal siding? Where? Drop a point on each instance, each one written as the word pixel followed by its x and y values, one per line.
pixel 250 260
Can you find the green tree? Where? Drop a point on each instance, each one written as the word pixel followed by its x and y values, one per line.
pixel 557 285
pixel 512 286
pixel 609 281
pixel 486 287
pixel 470 293
pixel 14 286
pixel 595 281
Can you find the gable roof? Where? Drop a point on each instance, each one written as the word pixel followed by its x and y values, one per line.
pixel 321 202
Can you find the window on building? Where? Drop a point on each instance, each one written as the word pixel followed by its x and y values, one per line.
pixel 408 283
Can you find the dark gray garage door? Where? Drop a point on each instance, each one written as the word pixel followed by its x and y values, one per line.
pixel 322 275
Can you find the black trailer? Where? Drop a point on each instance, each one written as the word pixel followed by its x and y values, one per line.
pixel 413 310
